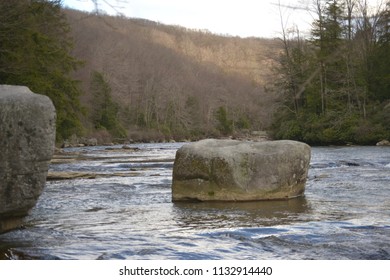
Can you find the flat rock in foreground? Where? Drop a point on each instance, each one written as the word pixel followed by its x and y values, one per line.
pixel 27 136
pixel 231 170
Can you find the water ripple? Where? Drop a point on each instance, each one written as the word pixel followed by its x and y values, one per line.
pixel 343 215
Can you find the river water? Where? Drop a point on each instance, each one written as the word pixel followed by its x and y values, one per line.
pixel 345 213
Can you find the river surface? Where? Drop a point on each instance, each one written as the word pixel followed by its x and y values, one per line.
pixel 345 213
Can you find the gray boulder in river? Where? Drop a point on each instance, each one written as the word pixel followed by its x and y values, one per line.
pixel 27 138
pixel 231 170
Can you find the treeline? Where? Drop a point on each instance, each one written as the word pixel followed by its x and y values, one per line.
pixel 336 84
pixel 118 78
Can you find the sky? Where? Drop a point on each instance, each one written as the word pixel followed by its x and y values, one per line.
pixel 243 18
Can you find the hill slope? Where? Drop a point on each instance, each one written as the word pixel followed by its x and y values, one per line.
pixel 170 82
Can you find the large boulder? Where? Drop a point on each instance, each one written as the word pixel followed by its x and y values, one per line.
pixel 231 170
pixel 27 138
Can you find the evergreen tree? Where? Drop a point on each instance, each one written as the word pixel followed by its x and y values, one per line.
pixel 327 36
pixel 35 52
pixel 379 66
pixel 225 125
pixel 105 114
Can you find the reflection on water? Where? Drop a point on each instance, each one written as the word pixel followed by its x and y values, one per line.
pixel 212 215
pixel 343 215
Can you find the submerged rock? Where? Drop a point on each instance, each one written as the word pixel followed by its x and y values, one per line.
pixel 27 136
pixel 231 170
pixel 64 175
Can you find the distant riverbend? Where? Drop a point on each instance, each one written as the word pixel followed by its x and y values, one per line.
pixel 116 204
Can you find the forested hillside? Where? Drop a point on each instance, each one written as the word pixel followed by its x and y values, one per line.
pixel 114 78
pixel 142 79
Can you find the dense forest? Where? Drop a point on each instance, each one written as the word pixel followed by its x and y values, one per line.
pixel 35 51
pixel 336 84
pixel 116 79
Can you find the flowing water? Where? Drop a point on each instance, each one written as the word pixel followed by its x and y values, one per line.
pixel 345 213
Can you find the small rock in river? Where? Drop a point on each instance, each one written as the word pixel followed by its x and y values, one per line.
pixel 383 143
